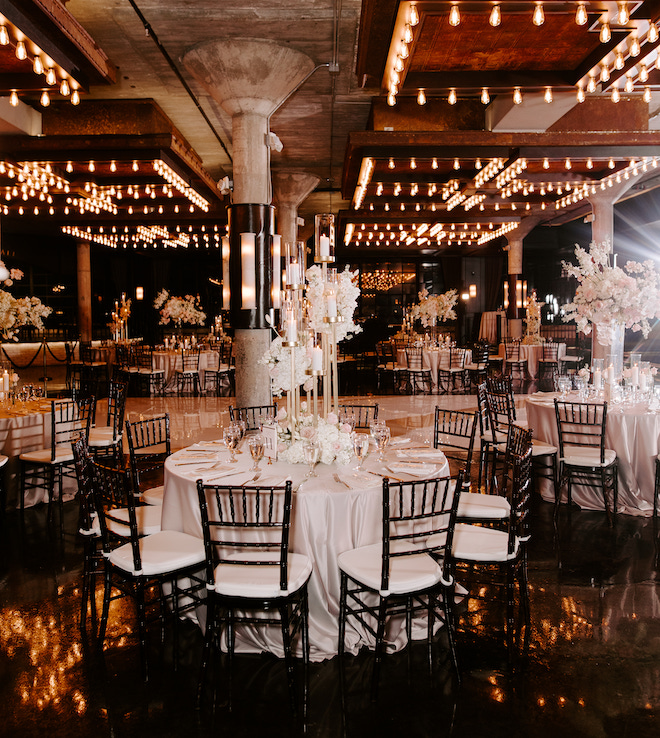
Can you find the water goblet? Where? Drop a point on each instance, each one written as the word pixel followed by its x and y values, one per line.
pixel 564 385
pixel 230 436
pixel 256 445
pixel 241 429
pixel 311 453
pixel 360 448
pixel 382 439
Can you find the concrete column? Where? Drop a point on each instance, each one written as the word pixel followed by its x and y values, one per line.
pixel 515 272
pixel 84 272
pixel 250 78
pixel 289 190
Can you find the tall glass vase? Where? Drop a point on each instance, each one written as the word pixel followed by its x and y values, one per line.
pixel 612 352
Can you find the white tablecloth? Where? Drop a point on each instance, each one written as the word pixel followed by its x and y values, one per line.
pixel 532 354
pixel 632 432
pixel 488 326
pixel 327 519
pixel 170 361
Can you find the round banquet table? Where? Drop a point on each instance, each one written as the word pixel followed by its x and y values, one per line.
pixel 25 426
pixel 328 518
pixel 632 431
pixel 433 359
pixel 532 353
pixel 170 361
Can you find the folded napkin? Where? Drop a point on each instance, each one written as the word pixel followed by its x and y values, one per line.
pixel 400 440
pixel 361 480
pixel 415 469
pixel 421 453
pixel 272 480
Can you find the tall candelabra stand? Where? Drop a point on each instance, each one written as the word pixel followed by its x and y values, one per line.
pixel 291 314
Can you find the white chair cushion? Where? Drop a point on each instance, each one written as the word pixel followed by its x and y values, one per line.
pixel 102 436
pixel 483 507
pixel 153 496
pixel 407 573
pixel 235 580
pixel 587 456
pixel 3 460
pixel 540 448
pixel 161 553
pixel 148 520
pixel 63 454
pixel 476 543
pixel 145 370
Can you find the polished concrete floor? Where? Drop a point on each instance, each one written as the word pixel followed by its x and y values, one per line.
pixel 592 667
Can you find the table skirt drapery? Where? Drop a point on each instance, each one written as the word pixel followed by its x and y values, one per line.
pixel 327 519
pixel 632 431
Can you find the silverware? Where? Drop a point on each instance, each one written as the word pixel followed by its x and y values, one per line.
pixel 389 476
pixel 339 480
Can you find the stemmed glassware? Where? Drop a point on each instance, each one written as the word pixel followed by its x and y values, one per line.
pixel 311 453
pixel 564 385
pixel 241 429
pixel 381 434
pixel 256 445
pixel 360 448
pixel 231 436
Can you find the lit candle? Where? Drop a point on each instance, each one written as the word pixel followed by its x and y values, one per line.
pixel 5 381
pixel 598 378
pixel 610 374
pixel 635 375
pixel 642 381
pixel 324 246
pixel 317 359
pixel 291 327
pixel 332 304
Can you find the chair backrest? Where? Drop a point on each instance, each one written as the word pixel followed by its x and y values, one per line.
pixel 581 424
pixel 70 349
pixel 482 406
pixel 385 351
pixel 247 526
pixel 70 419
pixel 144 357
pixel 253 416
pixel 225 352
pixel 500 412
pixel 419 517
pixel 364 415
pixel 502 384
pixel 117 392
pixel 414 357
pixel 112 491
pixel 480 353
pixel 512 351
pixel 550 351
pixel 84 465
pixel 519 494
pixel 454 432
pixel 190 359
pixel 456 358
pixel 84 383
pixel 86 352
pixel 148 445
pixel 124 356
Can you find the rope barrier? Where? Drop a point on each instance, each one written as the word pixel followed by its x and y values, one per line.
pixel 32 360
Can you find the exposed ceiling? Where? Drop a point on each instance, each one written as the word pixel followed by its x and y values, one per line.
pixel 418 143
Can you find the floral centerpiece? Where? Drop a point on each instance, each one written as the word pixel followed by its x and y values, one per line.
pixel 17 312
pixel 533 321
pixel 120 315
pixel 278 361
pixel 335 442
pixel 432 309
pixel 347 297
pixel 179 310
pixel 608 296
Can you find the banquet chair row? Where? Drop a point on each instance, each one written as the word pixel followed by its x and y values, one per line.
pixel 253 416
pixel 360 416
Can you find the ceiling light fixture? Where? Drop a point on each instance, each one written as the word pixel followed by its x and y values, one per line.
pixel 546 163
pixel 21 51
pixel 647 95
pixel 548 94
pixel 623 15
pixel 65 90
pixel 434 163
pixel 451 99
pixel 421 98
pixel 591 85
pixel 45 99
pixel 643 73
pixel 413 17
pixel 619 61
pixel 652 35
pixel 457 164
pixel 610 164
pixel 495 16
pixel 604 73
pixel 538 18
pixel 581 14
pixel 629 86
pixel 413 164
pixel 37 65
pixel 391 99
pixel 407 34
pixel 580 95
pixel 13 99
pixel 390 164
pixel 590 164
pixel 485 97
pixel 517 96
pixel 454 16
pixel 75 98
pixel 605 35
pixel 616 95
pixel 635 48
pixel 4 36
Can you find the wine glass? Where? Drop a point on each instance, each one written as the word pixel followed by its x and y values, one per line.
pixel 564 385
pixel 241 429
pixel 256 445
pixel 360 448
pixel 231 436
pixel 382 439
pixel 348 419
pixel 311 453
